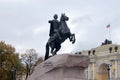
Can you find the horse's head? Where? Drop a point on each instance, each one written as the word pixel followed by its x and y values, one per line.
pixel 64 17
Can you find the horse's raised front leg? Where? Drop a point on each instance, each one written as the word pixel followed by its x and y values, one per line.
pixel 72 38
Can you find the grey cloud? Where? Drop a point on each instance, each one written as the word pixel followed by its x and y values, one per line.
pixel 24 23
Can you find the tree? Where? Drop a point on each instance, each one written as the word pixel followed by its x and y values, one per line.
pixel 9 62
pixel 30 58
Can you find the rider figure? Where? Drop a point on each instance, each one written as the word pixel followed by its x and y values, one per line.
pixel 54 29
pixel 54 32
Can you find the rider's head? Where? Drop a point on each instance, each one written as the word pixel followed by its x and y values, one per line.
pixel 55 16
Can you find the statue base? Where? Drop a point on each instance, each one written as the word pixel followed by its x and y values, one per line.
pixel 62 67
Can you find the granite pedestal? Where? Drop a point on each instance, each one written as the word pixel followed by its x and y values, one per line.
pixel 62 67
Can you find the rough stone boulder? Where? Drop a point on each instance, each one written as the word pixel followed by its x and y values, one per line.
pixel 62 67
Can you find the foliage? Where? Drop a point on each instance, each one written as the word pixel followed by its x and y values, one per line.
pixel 11 67
pixel 30 58
pixel 10 64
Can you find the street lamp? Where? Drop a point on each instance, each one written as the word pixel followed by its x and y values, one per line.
pixel 108 69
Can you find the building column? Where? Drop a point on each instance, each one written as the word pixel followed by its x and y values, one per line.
pixel 89 72
pixel 116 74
pixel 110 72
pixel 93 73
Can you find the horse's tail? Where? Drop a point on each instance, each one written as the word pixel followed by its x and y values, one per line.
pixel 47 52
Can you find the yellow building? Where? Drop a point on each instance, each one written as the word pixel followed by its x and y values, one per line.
pixel 105 62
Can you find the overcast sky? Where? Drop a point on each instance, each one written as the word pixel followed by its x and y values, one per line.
pixel 24 23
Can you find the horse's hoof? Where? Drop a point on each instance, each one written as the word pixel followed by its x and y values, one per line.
pixel 73 42
pixel 54 53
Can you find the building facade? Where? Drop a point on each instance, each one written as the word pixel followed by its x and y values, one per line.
pixel 105 62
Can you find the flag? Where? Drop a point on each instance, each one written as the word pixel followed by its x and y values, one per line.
pixel 108 26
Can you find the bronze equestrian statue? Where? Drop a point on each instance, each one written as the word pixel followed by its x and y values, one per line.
pixel 59 32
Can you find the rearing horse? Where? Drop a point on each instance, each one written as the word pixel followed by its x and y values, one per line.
pixel 64 33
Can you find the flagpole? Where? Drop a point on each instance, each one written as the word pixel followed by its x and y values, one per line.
pixel 109 31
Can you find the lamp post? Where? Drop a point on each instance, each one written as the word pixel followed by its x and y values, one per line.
pixel 108 69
